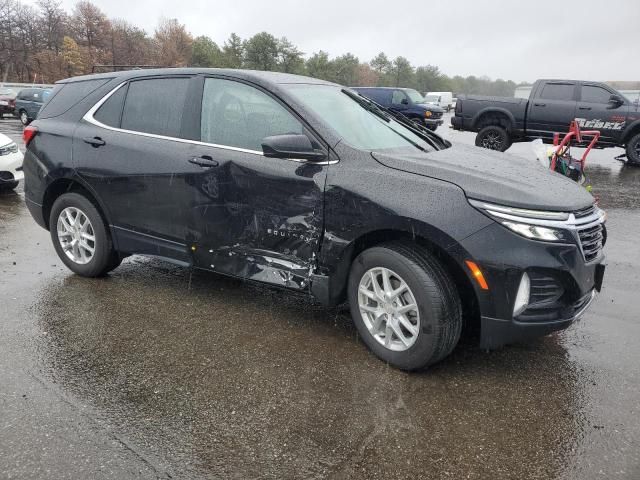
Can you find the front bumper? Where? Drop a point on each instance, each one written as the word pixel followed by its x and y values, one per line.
pixel 11 168
pixel 433 122
pixel 563 284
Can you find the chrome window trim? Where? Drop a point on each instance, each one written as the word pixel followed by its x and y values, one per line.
pixel 89 117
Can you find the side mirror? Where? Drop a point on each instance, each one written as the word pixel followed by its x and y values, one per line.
pixel 291 146
pixel 615 101
pixel 404 101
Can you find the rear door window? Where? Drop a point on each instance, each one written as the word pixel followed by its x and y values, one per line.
pixel 155 106
pixel 558 91
pixel 238 115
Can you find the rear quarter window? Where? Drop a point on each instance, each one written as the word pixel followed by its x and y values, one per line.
pixel 66 95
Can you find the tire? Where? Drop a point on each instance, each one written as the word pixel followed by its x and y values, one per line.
pixel 6 186
pixel 438 315
pixel 104 258
pixel 633 149
pixel 24 118
pixel 493 137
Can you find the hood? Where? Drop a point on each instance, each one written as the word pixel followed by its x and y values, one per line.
pixel 430 106
pixel 495 177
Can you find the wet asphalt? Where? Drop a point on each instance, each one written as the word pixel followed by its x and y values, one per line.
pixel 160 372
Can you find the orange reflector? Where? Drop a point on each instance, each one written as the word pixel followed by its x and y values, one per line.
pixel 477 274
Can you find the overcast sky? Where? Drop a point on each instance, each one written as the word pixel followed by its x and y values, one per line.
pixel 520 41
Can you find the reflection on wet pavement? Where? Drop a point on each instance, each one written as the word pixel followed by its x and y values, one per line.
pixel 279 387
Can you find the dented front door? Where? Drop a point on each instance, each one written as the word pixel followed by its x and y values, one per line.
pixel 258 218
pixel 252 216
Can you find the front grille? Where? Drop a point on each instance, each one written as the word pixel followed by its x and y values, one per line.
pixel 436 115
pixel 591 241
pixel 585 212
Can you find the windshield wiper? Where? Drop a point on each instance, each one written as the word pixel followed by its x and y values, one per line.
pixel 423 132
pixel 367 104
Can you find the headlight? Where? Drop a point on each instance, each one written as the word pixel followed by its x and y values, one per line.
pixel 536 232
pixel 9 148
pixel 534 224
pixel 427 113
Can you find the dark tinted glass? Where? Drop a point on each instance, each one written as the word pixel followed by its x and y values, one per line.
pixel 237 115
pixel 557 91
pixel 593 94
pixel 155 106
pixel 66 95
pixel 110 111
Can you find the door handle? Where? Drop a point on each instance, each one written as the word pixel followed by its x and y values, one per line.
pixel 94 141
pixel 204 161
pixel 584 108
pixel 540 104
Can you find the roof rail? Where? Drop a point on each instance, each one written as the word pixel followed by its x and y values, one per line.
pixel 116 68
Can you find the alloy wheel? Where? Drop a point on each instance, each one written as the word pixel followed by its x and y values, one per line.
pixel 76 235
pixel 492 141
pixel 389 309
pixel 24 118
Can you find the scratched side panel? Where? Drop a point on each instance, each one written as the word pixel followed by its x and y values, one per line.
pixel 257 218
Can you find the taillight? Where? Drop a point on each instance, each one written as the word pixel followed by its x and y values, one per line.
pixel 28 133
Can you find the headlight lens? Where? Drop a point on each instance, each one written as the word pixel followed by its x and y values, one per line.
pixel 9 148
pixel 533 224
pixel 536 232
pixel 427 113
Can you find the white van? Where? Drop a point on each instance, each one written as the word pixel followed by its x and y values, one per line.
pixel 441 99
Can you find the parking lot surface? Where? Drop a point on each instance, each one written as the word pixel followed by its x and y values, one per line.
pixel 160 372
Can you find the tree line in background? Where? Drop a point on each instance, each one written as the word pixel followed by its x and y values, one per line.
pixel 45 43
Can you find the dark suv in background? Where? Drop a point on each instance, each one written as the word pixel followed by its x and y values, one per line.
pixel 28 103
pixel 407 101
pixel 307 185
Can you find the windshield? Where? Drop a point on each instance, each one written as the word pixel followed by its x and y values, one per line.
pixel 354 123
pixel 414 95
pixel 432 98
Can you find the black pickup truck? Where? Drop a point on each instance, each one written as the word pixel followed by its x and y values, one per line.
pixel 550 108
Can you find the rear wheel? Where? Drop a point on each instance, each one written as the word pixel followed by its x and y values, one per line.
pixel 493 137
pixel 405 305
pixel 80 236
pixel 633 149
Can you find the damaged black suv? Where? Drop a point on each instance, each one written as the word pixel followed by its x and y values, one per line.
pixel 304 184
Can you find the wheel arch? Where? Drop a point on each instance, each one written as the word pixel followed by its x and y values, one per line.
pixel 64 185
pixel 468 296
pixel 494 116
pixel 630 131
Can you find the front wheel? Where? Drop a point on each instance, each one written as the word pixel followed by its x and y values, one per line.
pixel 405 305
pixel 633 149
pixel 493 137
pixel 80 236
pixel 24 118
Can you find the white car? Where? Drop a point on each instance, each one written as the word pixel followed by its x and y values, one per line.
pixel 10 163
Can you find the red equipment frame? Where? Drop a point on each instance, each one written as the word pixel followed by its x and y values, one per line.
pixel 574 134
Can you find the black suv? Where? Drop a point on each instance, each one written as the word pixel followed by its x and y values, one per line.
pixel 304 184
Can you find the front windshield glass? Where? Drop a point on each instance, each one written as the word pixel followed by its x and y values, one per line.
pixel 357 126
pixel 415 96
pixel 432 98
